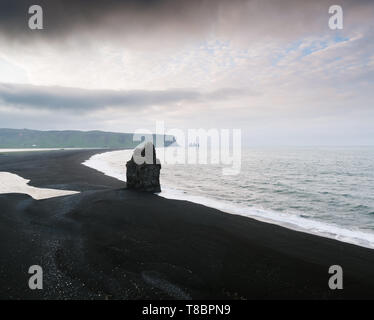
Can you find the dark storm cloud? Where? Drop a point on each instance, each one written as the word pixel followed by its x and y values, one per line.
pixel 83 100
pixel 175 20
pixel 62 17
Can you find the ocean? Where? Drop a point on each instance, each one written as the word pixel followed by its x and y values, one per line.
pixel 327 191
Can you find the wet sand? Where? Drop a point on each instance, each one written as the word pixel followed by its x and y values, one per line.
pixel 111 243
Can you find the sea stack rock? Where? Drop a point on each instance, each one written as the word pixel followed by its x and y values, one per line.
pixel 143 170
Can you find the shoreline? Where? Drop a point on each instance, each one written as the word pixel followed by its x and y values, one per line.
pixel 111 243
pixel 108 164
pixel 11 150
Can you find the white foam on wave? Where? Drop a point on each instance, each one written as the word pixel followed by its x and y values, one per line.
pixel 286 220
pixel 12 183
pixel 114 164
pixel 111 163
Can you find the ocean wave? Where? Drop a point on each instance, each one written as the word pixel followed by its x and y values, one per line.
pixel 290 221
pixel 114 164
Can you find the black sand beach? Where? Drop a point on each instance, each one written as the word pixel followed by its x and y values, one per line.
pixel 111 243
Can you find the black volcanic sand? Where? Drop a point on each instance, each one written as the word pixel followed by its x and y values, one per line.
pixel 111 243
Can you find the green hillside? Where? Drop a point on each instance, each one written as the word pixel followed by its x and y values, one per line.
pixel 24 138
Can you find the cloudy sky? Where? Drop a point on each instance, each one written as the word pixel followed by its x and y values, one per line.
pixel 272 68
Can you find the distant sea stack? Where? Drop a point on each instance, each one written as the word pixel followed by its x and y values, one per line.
pixel 143 170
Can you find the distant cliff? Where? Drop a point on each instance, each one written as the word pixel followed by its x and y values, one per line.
pixel 24 138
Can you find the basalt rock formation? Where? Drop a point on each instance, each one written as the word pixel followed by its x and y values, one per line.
pixel 143 170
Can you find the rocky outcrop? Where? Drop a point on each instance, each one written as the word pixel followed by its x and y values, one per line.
pixel 143 170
